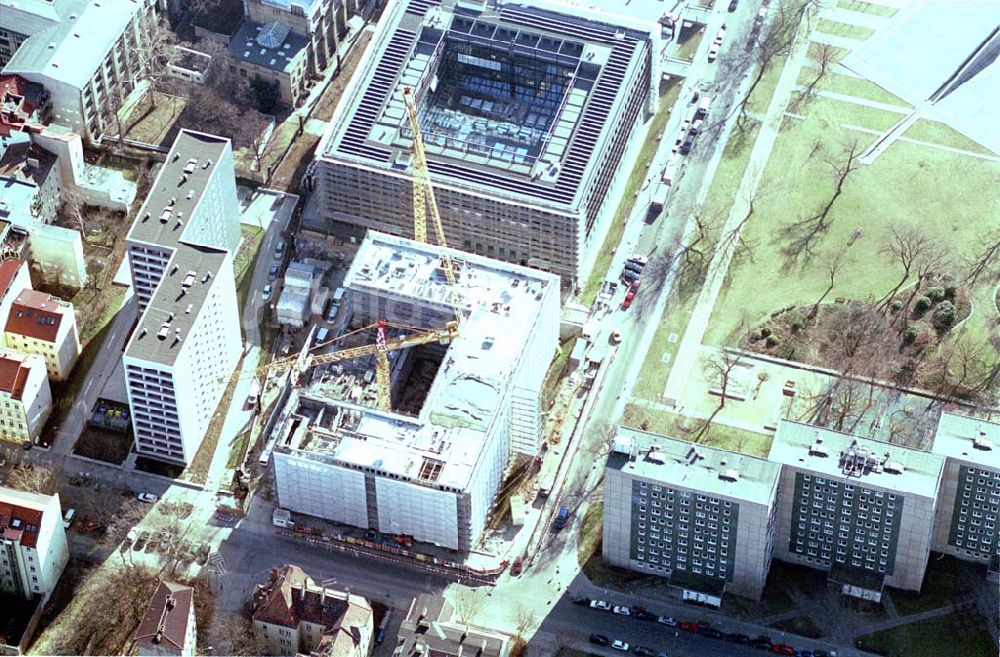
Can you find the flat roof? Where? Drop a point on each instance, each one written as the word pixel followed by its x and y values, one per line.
pixel 832 453
pixel 178 187
pixel 968 438
pixel 269 45
pixel 176 304
pixel 502 305
pixel 693 466
pixel 602 51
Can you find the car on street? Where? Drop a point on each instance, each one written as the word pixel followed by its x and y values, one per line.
pixel 517 567
pixel 616 336
pixel 710 633
pixel 783 649
pixel 667 620
pixel 68 518
pixel 713 50
pixel 600 604
pixel 621 610
pixel 583 602
pixel 662 654
pixel 618 644
pixel 640 260
pixel 643 651
pixel 3 461
pixel 630 295
pixel 736 637
pixel 688 626
pixel 265 294
pixel 732 5
pixel 599 639
pixel 279 251
pixel 148 498
pixel 640 613
pixel 272 273
pixel 629 275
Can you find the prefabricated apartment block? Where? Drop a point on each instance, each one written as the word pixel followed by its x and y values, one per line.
pixel 525 111
pixel 702 516
pixel 185 347
pixel 431 467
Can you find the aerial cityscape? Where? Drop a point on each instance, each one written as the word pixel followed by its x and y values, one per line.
pixel 500 328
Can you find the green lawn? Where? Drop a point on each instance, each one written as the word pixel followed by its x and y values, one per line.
pixel 907 186
pixel 935 637
pixel 761 97
pixel 684 428
pixel 851 86
pixel 150 124
pixel 837 28
pixel 867 7
pixel 635 180
pixel 246 260
pixel 555 374
pixel 687 48
pixel 940 133
pixel 839 54
pixel 946 581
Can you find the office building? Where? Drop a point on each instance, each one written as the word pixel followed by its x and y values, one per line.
pixel 34 550
pixel 702 517
pixel 44 325
pixel 969 504
pixel 526 109
pixel 168 626
pixel 431 466
pixel 294 615
pixel 860 508
pixel 25 397
pixel 320 23
pixel 185 348
pixel 432 627
pixel 82 51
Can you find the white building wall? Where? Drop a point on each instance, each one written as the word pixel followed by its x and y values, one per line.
pixel 752 554
pixel 22 281
pixel 321 489
pixel 155 428
pixel 916 533
pixel 37 395
pixel 617 518
pixel 215 221
pixel 487 476
pixel 52 548
pixel 427 514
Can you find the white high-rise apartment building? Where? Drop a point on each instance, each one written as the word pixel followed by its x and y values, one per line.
pixel 187 343
pixel 33 549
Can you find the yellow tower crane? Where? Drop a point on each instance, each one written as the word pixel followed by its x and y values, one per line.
pixel 380 350
pixel 423 192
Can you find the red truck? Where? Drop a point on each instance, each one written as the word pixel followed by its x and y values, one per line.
pixel 630 295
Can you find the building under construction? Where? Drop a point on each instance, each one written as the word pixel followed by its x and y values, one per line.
pixel 525 112
pixel 431 465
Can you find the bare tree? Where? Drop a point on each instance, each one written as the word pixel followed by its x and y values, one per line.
pixel 833 267
pixel 524 620
pixel 986 260
pixel 914 251
pixel 467 603
pixel 734 238
pixel 827 55
pixel 153 48
pixel 174 528
pixel 719 370
pixel 804 233
pixel 694 252
pixel 237 635
pixel 34 478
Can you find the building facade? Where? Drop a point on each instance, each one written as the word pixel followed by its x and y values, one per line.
pixel 702 517
pixel 180 358
pixel 82 51
pixel 431 627
pixel 293 615
pixel 25 397
pixel 525 113
pixel 34 550
pixel 321 23
pixel 168 627
pixel 855 505
pixel 44 325
pixel 969 505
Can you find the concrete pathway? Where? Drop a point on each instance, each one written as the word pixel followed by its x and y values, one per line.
pixel 859 18
pixel 687 353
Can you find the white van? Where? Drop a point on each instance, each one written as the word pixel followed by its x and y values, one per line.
pixel 321 335
pixel 68 518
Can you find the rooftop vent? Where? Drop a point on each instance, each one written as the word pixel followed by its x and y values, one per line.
pixel 818 449
pixel 207 164
pixel 165 215
pixel 729 475
pixel 656 456
pixel 164 331
pixel 983 444
pixel 894 467
pixel 189 279
pixel 191 165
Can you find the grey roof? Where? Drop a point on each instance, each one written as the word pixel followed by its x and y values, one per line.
pixel 27 17
pixel 245 46
pixel 883 465
pixel 73 49
pixel 693 466
pixel 430 626
pixel 148 227
pixel 400 56
pixel 968 439
pixel 176 304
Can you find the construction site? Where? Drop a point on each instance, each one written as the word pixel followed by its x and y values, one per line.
pixel 406 422
pixel 525 114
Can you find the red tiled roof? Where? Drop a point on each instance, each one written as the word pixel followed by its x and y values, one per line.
pixel 13 374
pixel 17 93
pixel 281 601
pixel 8 271
pixel 36 315
pixel 166 623
pixel 20 523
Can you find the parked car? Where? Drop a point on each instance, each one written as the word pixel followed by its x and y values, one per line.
pixel 599 639
pixel 583 602
pixel 629 275
pixel 713 51
pixel 272 273
pixel 517 567
pixel 736 637
pixel 561 518
pixel 279 251
pixel 710 633
pixel 265 294
pixel 621 610
pixel 600 604
pixel 148 498
pixel 643 615
pixel 630 295
pixel 688 626
pixel 643 651
pixel 618 644
pixel 616 336
pixel 68 518
pixel 667 620
pixel 732 5
pixel 783 649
